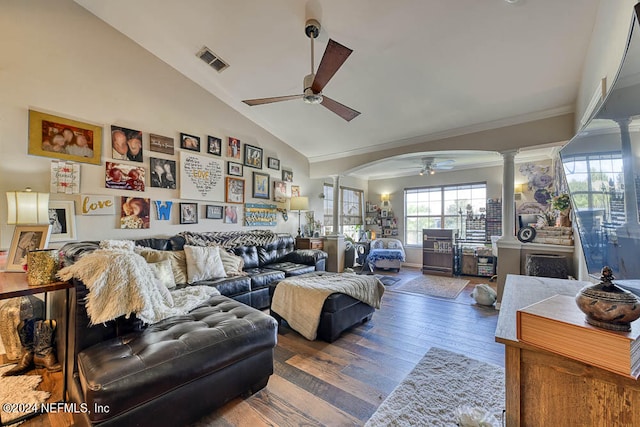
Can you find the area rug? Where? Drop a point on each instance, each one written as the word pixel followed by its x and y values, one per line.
pixel 441 383
pixel 19 389
pixel 388 280
pixel 433 286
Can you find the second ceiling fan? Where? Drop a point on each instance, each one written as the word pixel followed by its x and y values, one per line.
pixel 334 56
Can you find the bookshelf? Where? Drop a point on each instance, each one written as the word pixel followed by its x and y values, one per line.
pixel 438 251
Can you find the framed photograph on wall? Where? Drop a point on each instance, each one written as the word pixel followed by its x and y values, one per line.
pixel 214 146
pixel 188 213
pixel 287 176
pixel 163 173
pixel 63 220
pixel 189 142
pixel 295 191
pixel 280 191
pixel 231 215
pixel 62 138
pixel 234 190
pixel 260 185
pixel 160 144
pixel 274 163
pixel 134 212
pixel 233 148
pixel 26 238
pixel 122 176
pixel 213 212
pixel 234 169
pixel 126 144
pixel 252 156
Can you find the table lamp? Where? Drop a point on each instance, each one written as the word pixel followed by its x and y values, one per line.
pixel 27 207
pixel 299 204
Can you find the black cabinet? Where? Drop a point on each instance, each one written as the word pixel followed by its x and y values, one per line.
pixel 438 251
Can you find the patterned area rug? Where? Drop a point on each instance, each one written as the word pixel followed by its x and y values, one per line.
pixel 440 384
pixel 433 286
pixel 388 280
pixel 20 389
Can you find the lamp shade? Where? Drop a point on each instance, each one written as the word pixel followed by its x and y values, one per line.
pixel 27 207
pixel 299 204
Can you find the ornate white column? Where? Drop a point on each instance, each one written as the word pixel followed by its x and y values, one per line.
pixel 508 202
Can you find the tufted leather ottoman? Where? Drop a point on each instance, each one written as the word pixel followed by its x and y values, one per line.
pixel 219 350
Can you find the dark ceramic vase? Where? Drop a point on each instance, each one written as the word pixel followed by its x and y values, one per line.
pixel 608 306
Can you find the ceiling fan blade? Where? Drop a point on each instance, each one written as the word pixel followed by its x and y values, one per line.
pixel 340 109
pixel 334 56
pixel 261 101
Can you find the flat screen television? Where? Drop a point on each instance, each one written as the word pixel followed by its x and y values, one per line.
pixel 602 169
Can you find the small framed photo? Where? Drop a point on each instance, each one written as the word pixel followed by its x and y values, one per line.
pixel 384 213
pixel 63 220
pixel 287 175
pixel 188 213
pixel 233 148
pixel 231 215
pixel 234 190
pixel 234 169
pixel 295 191
pixel 189 142
pixel 274 163
pixel 214 212
pixel 160 144
pixel 260 185
pixel 26 238
pixel 214 146
pixel 252 156
pixel 280 191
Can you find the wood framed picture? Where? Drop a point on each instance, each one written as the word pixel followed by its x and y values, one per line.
pixel 287 175
pixel 188 213
pixel 233 148
pixel 189 142
pixel 214 146
pixel 274 163
pixel 213 212
pixel 62 138
pixel 260 185
pixel 62 217
pixel 234 169
pixel 26 238
pixel 234 190
pixel 126 144
pixel 161 144
pixel 252 156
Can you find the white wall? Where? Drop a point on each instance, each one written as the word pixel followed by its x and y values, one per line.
pixel 58 58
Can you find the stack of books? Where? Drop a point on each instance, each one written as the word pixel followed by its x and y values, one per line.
pixel 556 324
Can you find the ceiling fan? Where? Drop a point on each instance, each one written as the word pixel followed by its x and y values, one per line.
pixel 334 56
pixel 430 165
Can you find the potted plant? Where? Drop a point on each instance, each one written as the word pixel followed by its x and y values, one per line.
pixel 562 203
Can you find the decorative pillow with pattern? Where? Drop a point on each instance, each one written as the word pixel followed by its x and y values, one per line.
pixel 232 264
pixel 394 244
pixel 203 263
pixel 377 244
pixel 177 258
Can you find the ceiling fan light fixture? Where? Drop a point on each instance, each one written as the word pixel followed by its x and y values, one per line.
pixel 312 98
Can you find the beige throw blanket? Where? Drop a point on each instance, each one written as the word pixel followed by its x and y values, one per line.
pixel 299 300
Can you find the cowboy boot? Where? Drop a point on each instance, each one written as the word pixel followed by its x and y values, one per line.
pixel 44 356
pixel 26 334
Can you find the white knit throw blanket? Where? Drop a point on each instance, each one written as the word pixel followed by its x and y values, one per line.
pixel 121 283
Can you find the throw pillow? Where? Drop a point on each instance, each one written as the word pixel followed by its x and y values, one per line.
pixel 377 244
pixel 127 245
pixel 232 264
pixel 177 258
pixel 203 263
pixel 394 244
pixel 163 272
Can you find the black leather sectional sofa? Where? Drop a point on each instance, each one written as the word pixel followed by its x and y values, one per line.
pixel 177 370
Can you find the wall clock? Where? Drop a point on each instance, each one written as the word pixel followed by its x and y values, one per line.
pixel 526 234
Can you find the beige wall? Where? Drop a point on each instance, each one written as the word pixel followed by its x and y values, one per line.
pixel 58 58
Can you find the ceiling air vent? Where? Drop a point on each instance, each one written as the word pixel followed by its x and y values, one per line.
pixel 212 59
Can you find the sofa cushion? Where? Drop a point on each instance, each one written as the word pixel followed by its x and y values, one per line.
pixel 291 268
pixel 229 286
pixel 203 263
pixel 232 264
pixel 177 258
pixel 262 277
pixel 128 371
pixel 249 255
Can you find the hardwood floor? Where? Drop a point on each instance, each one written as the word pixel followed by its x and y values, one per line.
pixel 339 384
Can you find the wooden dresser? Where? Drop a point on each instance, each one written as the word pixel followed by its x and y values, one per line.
pixel 547 389
pixel 309 243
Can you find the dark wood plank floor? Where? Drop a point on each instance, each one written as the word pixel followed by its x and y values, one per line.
pixel 338 384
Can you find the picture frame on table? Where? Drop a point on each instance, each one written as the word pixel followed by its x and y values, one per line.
pixel 188 213
pixel 63 220
pixel 261 185
pixel 85 138
pixel 213 212
pixel 26 238
pixel 273 163
pixel 189 142
pixel 252 156
pixel 234 190
pixel 234 169
pixel 214 146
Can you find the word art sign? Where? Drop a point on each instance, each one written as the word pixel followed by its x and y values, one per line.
pixel 201 177
pixel 163 209
pixel 96 205
pixel 65 177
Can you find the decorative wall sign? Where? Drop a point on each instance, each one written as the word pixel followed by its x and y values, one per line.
pixel 160 144
pixel 163 209
pixel 96 205
pixel 257 214
pixel 65 177
pixel 65 139
pixel 201 177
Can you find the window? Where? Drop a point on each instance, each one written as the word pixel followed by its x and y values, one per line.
pixel 440 207
pixel 352 211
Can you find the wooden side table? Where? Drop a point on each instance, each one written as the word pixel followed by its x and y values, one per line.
pixel 309 243
pixel 14 284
